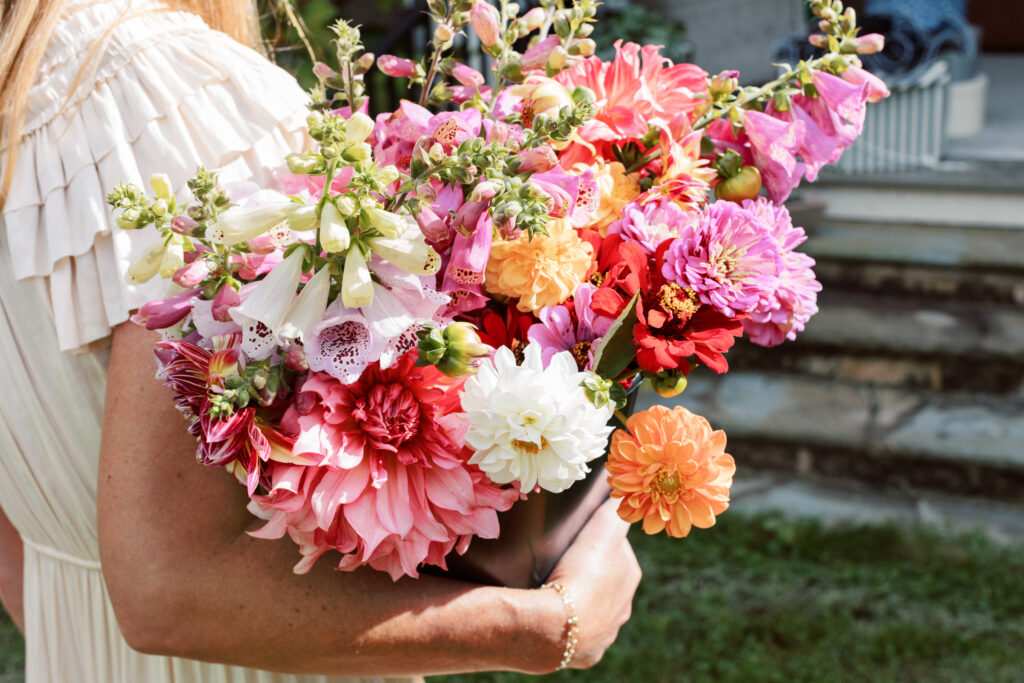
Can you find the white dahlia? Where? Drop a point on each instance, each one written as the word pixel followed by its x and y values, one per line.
pixel 532 424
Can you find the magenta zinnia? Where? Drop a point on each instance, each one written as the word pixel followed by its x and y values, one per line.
pixel 730 260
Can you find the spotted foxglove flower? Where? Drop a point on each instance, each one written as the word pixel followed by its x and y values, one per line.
pixel 531 424
pixel 239 224
pixel 407 249
pixel 309 307
pixel 262 313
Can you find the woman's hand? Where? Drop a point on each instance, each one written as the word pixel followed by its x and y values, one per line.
pixel 601 574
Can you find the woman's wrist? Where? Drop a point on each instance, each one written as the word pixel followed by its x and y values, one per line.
pixel 535 639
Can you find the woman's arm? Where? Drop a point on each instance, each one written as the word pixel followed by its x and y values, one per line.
pixel 185 579
pixel 12 565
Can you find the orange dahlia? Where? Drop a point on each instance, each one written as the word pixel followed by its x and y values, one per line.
pixel 670 470
pixel 543 271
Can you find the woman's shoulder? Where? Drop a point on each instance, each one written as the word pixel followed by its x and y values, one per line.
pixel 159 92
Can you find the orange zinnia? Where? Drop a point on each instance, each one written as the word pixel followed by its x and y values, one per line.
pixel 670 470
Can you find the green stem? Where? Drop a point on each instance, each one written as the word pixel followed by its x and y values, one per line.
pixel 643 161
pixel 429 81
pixel 620 416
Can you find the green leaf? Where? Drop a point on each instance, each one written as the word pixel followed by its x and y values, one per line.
pixel 617 350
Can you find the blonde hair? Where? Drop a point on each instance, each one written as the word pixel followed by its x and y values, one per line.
pixel 26 27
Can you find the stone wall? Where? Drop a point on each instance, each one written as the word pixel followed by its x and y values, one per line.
pixel 734 34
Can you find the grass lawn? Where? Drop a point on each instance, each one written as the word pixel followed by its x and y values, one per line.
pixel 767 599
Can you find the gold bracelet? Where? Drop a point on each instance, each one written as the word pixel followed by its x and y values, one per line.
pixel 573 632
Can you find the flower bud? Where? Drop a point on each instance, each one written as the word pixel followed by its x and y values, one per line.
pixel 437 153
pixel 346 205
pixel 334 234
pixel 818 40
pixel 363 64
pixel 483 191
pixel 387 175
pixel 444 34
pixel 295 360
pixel 724 83
pixel 396 67
pixel 484 19
pixel 870 43
pixel 537 160
pixel 183 225
pixel 557 58
pixel 597 389
pixel 534 19
pixel 359 151
pixel 324 72
pixel 225 299
pixel 455 350
pixel 161 183
pixel 191 275
pixel 668 384
pixel 159 207
pixel 358 127
pixel 537 56
pixel 584 47
pixel 467 75
pixel 387 223
pixel 129 219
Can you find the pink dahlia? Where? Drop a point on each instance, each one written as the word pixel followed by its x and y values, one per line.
pixel 785 312
pixel 731 260
pixel 392 487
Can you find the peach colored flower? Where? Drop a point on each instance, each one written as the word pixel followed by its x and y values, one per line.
pixel 617 189
pixel 544 271
pixel 670 470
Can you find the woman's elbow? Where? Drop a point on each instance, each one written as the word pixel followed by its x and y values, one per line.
pixel 151 619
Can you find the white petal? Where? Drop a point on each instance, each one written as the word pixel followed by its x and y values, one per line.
pixel 309 307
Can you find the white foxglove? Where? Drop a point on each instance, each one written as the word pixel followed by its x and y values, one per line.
pixel 309 307
pixel 239 224
pixel 532 424
pixel 147 265
pixel 356 284
pixel 334 234
pixel 408 249
pixel 174 256
pixel 261 314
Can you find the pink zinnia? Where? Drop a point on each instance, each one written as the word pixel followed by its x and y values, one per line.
pixel 785 312
pixel 731 260
pixel 572 328
pixel 651 224
pixel 393 488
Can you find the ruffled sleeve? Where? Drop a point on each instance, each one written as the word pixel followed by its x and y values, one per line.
pixel 167 95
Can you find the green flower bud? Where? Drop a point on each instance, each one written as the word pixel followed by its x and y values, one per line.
pixel 668 384
pixel 454 350
pixel 306 164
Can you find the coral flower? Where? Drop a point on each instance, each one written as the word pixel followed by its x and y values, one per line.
pixel 670 470
pixel 392 487
pixel 543 271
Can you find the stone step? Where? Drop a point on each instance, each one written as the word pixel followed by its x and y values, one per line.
pixel 969 245
pixel 980 194
pixel 920 282
pixel 915 371
pixel 779 410
pixel 865 322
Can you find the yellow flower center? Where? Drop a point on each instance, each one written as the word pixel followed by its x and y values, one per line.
pixel 674 299
pixel 667 483
pixel 529 447
pixel 581 352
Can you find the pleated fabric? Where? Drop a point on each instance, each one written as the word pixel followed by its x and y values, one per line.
pixel 166 94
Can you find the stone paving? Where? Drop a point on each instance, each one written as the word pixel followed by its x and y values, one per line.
pixel 833 502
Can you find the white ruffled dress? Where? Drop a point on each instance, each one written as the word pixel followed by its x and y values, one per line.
pixel 166 94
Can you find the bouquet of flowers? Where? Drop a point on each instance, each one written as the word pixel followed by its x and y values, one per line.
pixel 437 312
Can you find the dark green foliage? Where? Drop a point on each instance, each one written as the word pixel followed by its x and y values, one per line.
pixel 776 600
